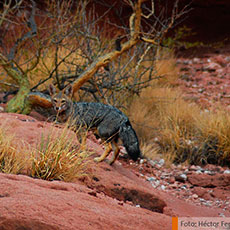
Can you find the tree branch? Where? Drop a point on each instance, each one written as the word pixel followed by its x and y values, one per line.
pixel 134 23
pixel 33 32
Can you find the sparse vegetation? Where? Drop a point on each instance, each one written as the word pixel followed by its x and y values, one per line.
pixel 60 158
pixel 142 79
pixel 168 126
pixel 11 160
pixel 56 157
pixel 214 128
pixel 46 45
pixel 178 129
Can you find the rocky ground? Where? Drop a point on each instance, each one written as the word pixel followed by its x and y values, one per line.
pixel 208 186
pixel 127 195
pixel 205 78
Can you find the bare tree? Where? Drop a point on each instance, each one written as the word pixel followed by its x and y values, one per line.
pixel 64 42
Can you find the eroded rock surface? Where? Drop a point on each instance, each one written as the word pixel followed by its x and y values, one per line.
pixel 122 196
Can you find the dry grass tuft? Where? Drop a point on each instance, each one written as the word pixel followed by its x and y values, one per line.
pixel 167 119
pixel 166 67
pixel 150 150
pixel 178 129
pixel 11 160
pixel 214 128
pixel 60 159
pixel 57 157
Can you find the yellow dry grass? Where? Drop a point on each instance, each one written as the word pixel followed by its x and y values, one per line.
pixel 178 129
pixel 149 110
pixel 164 117
pixel 55 158
pixel 11 159
pixel 214 128
pixel 165 123
pixel 66 60
pixel 60 158
pixel 166 67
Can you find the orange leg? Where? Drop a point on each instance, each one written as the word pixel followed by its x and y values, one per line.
pixel 116 151
pixel 108 149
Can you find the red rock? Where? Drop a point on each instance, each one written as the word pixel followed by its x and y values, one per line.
pixel 203 193
pixel 216 68
pixel 115 197
pixel 212 66
pixel 221 194
pixel 209 181
pixel 171 180
pixel 212 167
pixel 27 203
pixel 195 196
pixel 221 60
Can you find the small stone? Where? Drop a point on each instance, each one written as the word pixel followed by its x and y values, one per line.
pixel 153 163
pixel 193 168
pixel 221 215
pixel 155 184
pixel 227 171
pixel 121 203
pixel 171 180
pixel 212 66
pixel 196 60
pixel 195 196
pixel 194 86
pixel 151 178
pixel 174 186
pixel 181 177
pixel 142 161
pixel 92 193
pixel 198 171
pixel 158 166
pixel 221 60
pixel 201 90
pixel 161 162
pixel 208 203
pixel 184 187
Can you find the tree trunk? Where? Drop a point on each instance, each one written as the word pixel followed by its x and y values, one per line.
pixel 18 104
